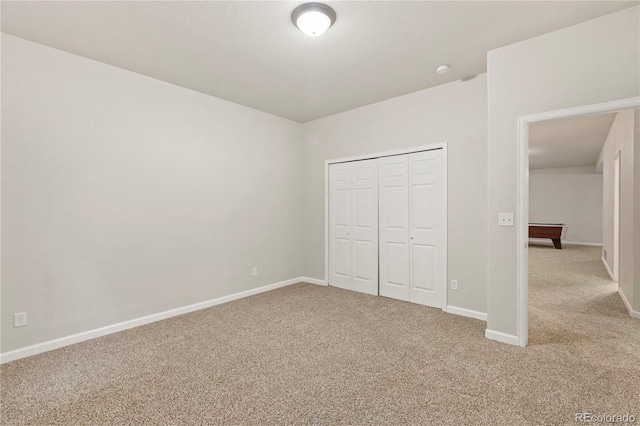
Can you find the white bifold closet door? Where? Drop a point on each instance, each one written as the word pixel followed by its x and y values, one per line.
pixel 353 226
pixel 412 230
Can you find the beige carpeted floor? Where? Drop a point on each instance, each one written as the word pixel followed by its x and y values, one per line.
pixel 311 355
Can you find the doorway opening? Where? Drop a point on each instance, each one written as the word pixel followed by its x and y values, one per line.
pixel 525 124
pixel 570 290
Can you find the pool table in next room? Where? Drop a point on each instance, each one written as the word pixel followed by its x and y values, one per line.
pixel 554 231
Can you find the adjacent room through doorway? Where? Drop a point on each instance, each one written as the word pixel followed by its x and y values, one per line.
pixel 574 218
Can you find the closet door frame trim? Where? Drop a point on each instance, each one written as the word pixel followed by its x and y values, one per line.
pixel 431 147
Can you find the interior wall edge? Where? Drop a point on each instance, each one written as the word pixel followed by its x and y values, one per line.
pixel 606 265
pixel 634 314
pixel 501 337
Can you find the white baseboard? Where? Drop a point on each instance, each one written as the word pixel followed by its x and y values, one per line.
pixel 114 328
pixel 608 269
pixel 465 312
pixel 579 243
pixel 502 337
pixel 313 281
pixel 634 314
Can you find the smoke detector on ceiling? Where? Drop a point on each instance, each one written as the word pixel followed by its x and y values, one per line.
pixel 443 69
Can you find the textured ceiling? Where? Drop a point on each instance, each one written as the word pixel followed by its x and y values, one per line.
pixel 569 142
pixel 252 54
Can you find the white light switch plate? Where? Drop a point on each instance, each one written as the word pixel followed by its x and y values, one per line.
pixel 505 219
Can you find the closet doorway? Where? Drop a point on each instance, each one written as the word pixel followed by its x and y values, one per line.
pixel 386 224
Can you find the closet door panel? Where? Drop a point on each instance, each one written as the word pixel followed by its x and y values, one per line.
pixel 341 257
pixel 422 277
pixel 340 223
pixel 365 226
pixel 394 226
pixel 353 226
pixel 427 257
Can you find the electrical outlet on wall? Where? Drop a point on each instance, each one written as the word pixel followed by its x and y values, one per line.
pixel 454 284
pixel 19 319
pixel 505 219
pixel 254 271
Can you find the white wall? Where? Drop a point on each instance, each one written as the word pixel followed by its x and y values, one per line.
pixel 124 196
pixel 572 196
pixel 453 113
pixel 566 68
pixel 620 139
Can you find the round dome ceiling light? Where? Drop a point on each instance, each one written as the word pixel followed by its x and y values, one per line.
pixel 313 19
pixel 443 69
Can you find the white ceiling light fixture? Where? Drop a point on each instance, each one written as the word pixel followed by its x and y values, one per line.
pixel 443 69
pixel 313 19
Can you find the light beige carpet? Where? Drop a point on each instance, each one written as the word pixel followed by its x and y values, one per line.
pixel 310 355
